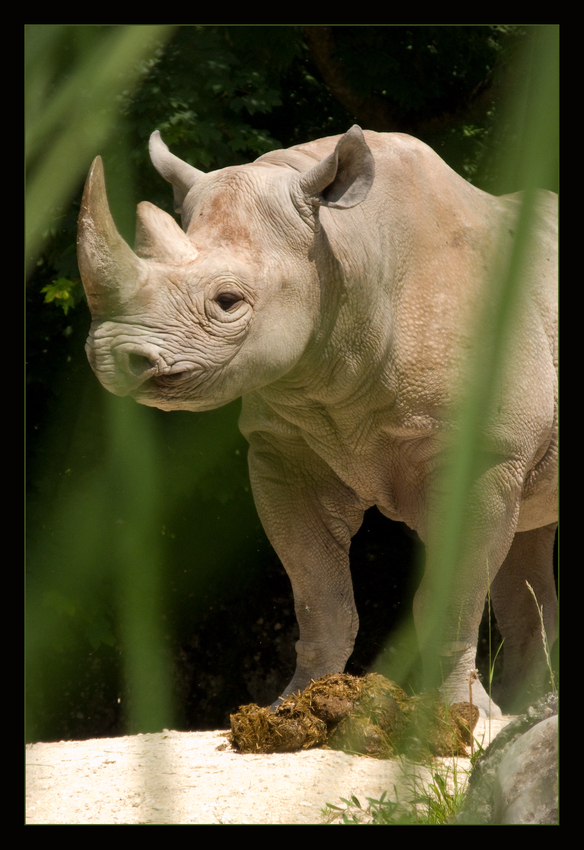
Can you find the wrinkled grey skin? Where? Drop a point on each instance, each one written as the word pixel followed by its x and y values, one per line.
pixel 332 286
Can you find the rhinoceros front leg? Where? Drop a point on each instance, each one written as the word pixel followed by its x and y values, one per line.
pixel 310 517
pixel 450 660
pixel 448 608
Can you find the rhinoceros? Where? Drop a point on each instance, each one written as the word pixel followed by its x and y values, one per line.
pixel 332 286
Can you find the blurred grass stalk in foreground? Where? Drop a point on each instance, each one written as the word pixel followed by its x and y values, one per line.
pixel 68 120
pixel 69 116
pixel 531 164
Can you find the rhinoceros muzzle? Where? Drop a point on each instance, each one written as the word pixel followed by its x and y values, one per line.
pixel 131 366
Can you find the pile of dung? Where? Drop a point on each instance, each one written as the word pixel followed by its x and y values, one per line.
pixel 370 716
pixel 376 722
pixel 258 730
pixel 437 728
pixel 303 720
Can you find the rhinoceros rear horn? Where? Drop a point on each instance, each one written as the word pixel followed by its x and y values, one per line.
pixel 343 179
pixel 110 271
pixel 158 237
pixel 180 174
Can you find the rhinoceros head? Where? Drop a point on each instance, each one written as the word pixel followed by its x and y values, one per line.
pixel 192 320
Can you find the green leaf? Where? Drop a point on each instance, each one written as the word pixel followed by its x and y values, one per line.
pixel 63 291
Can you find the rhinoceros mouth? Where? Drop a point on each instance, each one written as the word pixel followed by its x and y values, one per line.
pixel 170 385
pixel 172 395
pixel 171 379
pixel 182 390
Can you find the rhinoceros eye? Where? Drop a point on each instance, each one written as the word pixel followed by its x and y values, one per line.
pixel 228 300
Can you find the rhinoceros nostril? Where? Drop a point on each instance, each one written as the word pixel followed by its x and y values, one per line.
pixel 138 364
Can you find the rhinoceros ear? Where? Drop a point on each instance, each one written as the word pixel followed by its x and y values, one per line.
pixel 158 237
pixel 180 174
pixel 110 271
pixel 343 179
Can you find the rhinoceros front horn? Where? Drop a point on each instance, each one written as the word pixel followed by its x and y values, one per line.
pixel 111 272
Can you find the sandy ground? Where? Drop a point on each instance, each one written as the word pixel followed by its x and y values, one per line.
pixel 195 777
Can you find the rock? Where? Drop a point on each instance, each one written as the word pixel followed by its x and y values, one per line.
pixel 526 788
pixel 515 781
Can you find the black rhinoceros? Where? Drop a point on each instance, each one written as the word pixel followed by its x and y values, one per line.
pixel 333 287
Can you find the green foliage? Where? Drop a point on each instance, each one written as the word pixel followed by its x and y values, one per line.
pixel 376 813
pixel 544 638
pixel 432 803
pixel 425 70
pixel 440 804
pixel 65 292
pixel 202 90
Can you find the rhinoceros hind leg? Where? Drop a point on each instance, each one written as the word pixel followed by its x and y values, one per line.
pixel 530 559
